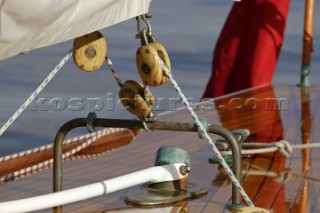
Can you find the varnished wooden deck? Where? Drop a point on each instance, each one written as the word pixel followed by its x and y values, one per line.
pixel 270 113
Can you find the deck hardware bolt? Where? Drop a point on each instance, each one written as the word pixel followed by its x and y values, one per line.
pixel 90 52
pixel 167 192
pixel 184 170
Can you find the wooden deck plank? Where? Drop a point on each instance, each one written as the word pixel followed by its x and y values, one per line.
pixel 265 125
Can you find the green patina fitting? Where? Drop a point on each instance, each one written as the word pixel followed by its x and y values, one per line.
pixel 171 155
pixel 204 122
pixel 215 160
pixel 234 206
pixel 228 159
pixel 166 193
pixel 89 124
pixel 305 76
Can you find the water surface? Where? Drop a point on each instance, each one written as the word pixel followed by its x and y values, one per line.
pixel 187 28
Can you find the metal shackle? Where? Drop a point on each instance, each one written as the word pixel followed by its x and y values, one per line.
pixel 145 37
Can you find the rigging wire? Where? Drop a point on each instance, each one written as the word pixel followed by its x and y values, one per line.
pixel 206 135
pixel 114 72
pixel 36 92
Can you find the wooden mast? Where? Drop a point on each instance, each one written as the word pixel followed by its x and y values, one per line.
pixel 307 43
pixel 306 121
pixel 306 133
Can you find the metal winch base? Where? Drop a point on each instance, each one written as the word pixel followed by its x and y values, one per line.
pixel 145 195
pixel 169 192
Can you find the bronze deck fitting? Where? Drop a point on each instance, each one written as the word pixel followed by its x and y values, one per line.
pixel 152 125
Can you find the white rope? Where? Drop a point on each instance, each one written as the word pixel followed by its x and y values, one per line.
pixel 35 93
pixel 283 146
pixel 206 135
pixel 153 174
pixel 114 72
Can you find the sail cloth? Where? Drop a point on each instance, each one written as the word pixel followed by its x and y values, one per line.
pixel 30 24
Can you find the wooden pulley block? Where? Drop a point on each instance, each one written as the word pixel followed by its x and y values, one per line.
pixel 163 54
pixel 132 98
pixel 90 51
pixel 149 66
pixel 148 59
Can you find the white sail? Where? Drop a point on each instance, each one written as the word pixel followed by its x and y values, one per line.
pixel 30 24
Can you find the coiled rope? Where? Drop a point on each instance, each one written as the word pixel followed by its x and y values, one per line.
pixel 206 135
pixel 36 92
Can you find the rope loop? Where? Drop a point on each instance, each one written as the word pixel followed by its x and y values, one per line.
pixel 284 176
pixel 284 147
